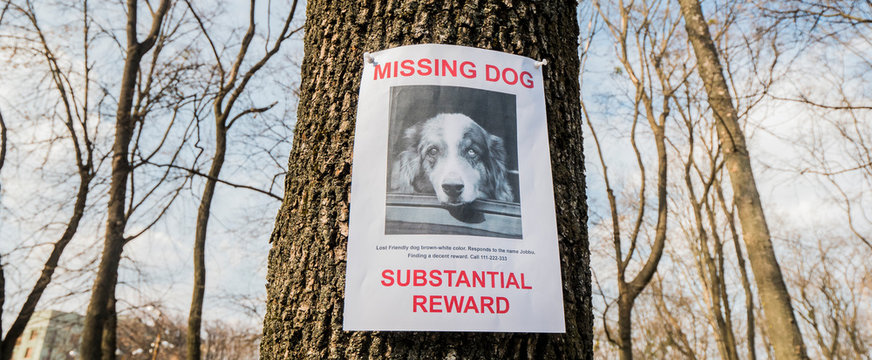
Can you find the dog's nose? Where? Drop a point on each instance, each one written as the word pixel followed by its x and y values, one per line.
pixel 452 189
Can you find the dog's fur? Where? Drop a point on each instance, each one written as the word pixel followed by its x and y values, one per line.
pixel 455 158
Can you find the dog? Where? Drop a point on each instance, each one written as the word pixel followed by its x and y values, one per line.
pixel 455 158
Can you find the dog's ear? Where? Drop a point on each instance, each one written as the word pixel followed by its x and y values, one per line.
pixel 407 166
pixel 498 183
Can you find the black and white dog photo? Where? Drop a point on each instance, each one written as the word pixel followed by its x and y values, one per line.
pixel 452 162
pixel 451 156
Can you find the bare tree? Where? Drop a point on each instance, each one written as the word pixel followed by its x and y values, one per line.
pixel 2 273
pixel 710 266
pixel 163 94
pixel 673 328
pixel 833 151
pixel 147 332
pixel 834 295
pixel 75 115
pixel 704 214
pixel 770 281
pixel 642 33
pixel 712 221
pixel 232 83
pixel 102 295
pixel 224 341
pixel 840 12
pixel 3 145
pixel 835 36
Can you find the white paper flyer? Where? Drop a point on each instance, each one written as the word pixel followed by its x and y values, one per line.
pixel 452 219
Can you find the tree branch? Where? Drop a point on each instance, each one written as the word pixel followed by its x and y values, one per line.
pixel 251 111
pixel 200 174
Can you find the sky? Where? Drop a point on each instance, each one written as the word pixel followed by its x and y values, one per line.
pixel 157 266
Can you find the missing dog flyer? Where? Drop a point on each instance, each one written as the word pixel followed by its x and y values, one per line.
pixel 452 225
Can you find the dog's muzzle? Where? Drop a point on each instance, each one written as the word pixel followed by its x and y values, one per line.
pixel 452 186
pixel 453 190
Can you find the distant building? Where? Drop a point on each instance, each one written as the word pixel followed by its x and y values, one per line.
pixel 49 335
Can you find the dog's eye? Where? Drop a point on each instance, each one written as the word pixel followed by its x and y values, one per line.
pixel 432 151
pixel 471 152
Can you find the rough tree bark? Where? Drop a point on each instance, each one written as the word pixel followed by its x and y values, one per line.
pixel 780 320
pixel 104 285
pixel 306 278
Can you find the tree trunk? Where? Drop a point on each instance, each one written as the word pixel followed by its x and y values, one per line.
pixel 767 273
pixel 724 314
pixel 710 270
pixel 192 338
pixel 2 161
pixel 116 219
pixel 629 291
pixel 113 244
pixel 749 298
pixel 2 296
pixel 625 327
pixel 110 337
pixel 743 272
pixel 306 279
pixel 3 144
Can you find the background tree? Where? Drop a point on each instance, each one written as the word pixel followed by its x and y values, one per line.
pixel 692 309
pixel 832 156
pixel 307 268
pixel 74 113
pixel 770 281
pixel 231 85
pixel 836 153
pixel 170 99
pixel 3 145
pixel 832 283
pixel 150 331
pixel 101 306
pixel 641 48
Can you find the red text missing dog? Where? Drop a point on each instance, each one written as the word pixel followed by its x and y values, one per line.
pixel 452 68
